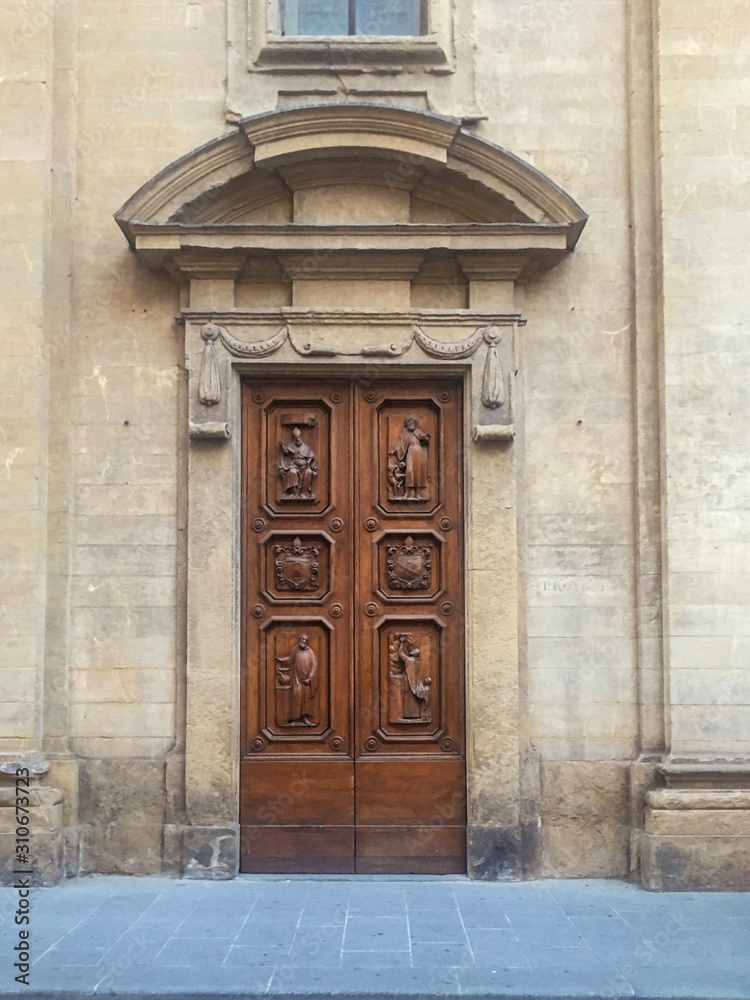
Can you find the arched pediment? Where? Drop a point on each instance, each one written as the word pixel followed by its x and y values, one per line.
pixel 352 166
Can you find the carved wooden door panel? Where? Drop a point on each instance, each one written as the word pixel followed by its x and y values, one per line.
pixel 410 771
pixel 352 707
pixel 297 772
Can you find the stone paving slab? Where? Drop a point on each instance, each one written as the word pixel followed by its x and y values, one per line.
pixel 376 937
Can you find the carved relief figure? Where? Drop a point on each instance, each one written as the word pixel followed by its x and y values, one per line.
pixel 410 683
pixel 409 565
pixel 297 466
pixel 297 566
pixel 408 475
pixel 298 673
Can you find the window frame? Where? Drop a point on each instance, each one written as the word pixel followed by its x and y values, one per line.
pixel 271 52
pixel 424 21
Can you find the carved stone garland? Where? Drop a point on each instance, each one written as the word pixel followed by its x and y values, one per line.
pixel 493 383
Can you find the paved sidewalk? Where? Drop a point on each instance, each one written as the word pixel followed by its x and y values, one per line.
pixel 376 937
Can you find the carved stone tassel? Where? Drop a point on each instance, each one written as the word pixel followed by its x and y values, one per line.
pixel 209 383
pixel 493 392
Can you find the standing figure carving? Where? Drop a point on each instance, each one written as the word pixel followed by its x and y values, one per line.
pixel 298 673
pixel 298 468
pixel 414 703
pixel 408 472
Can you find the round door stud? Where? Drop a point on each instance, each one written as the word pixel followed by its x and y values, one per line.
pixel 371 524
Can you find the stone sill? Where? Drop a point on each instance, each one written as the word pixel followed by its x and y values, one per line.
pixel 358 54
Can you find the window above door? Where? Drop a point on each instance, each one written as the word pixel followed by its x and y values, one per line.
pixel 338 18
pixel 288 36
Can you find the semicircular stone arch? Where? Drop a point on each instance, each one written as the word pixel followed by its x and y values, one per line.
pixel 254 173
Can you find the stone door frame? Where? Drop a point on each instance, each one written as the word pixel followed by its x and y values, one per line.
pixel 212 751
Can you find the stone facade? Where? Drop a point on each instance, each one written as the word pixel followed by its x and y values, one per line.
pixel 608 635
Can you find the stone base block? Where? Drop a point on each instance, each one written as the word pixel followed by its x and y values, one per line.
pixel 696 840
pixel 121 848
pixel 585 819
pixel 46 835
pixel 494 853
pixel 211 852
pixel 578 850
pixel 47 866
pixel 121 804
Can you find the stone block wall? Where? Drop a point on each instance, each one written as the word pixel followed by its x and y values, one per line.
pixel 705 165
pixel 26 106
pixel 696 829
pixel 564 106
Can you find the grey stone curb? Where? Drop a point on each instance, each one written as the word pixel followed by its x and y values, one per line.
pixel 365 995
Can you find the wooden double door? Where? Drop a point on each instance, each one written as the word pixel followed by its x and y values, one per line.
pixel 353 745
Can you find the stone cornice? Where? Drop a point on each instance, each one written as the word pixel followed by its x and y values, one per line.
pixel 302 316
pixel 499 251
pixel 429 235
